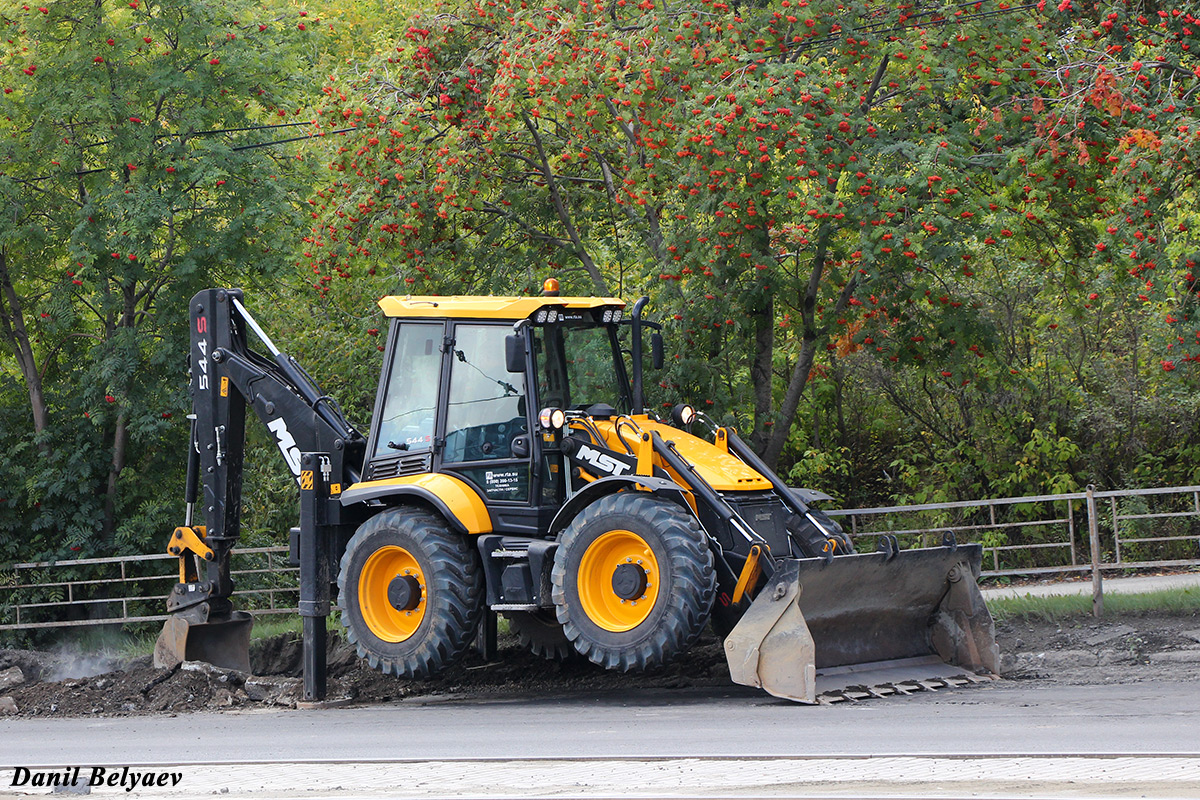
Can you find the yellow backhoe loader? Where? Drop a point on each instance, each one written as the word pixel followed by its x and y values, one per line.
pixel 512 467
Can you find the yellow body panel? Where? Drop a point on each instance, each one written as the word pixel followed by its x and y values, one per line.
pixel 723 471
pixel 513 308
pixel 460 499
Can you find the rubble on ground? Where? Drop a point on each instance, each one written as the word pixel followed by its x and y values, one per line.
pixel 38 684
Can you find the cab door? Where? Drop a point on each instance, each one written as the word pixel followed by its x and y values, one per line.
pixel 402 436
pixel 487 423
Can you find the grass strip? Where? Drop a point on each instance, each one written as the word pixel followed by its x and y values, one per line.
pixel 1063 607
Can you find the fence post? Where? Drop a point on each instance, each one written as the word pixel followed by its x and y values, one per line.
pixel 1071 530
pixel 1112 504
pixel 1094 537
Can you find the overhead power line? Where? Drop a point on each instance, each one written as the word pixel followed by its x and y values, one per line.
pixel 81 173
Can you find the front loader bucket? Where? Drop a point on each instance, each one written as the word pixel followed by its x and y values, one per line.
pixel 771 647
pixel 191 636
pixel 863 619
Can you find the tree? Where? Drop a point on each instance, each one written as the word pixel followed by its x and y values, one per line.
pixel 760 167
pixel 1092 267
pixel 134 173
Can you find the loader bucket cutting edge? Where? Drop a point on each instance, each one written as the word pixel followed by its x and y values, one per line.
pixel 859 613
pixel 223 643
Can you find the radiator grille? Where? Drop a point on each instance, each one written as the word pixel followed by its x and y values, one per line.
pixel 398 466
pixel 767 516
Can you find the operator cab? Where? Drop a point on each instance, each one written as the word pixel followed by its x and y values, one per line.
pixel 463 383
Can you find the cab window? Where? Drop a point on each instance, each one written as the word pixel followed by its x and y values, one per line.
pixel 577 367
pixel 407 416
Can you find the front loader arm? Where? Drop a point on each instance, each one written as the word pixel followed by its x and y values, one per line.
pixel 817 537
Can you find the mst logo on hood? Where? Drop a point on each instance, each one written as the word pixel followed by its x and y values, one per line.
pixel 603 461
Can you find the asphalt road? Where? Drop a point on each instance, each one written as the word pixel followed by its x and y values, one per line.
pixel 1003 718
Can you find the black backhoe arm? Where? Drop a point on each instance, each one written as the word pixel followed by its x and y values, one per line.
pixel 226 376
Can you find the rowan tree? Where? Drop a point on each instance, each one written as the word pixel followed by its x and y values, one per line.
pixel 1087 292
pixel 757 169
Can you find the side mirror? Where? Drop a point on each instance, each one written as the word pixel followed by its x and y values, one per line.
pixel 514 353
pixel 656 350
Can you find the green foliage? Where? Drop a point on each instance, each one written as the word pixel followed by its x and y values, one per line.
pixel 131 179
pixel 1063 608
pixel 822 468
pixel 919 255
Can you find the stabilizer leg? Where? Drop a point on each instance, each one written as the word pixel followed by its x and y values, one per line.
pixel 314 571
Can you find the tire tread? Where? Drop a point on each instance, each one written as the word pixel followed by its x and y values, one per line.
pixel 693 589
pixel 454 588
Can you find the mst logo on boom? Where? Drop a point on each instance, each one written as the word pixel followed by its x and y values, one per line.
pixel 287 444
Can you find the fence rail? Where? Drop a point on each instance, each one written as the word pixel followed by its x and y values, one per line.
pixel 1138 528
pixel 1061 521
pixel 269 581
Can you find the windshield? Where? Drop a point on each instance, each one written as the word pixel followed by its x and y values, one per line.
pixel 406 420
pixel 577 367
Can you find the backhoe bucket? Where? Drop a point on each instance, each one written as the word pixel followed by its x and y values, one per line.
pixel 889 619
pixel 191 636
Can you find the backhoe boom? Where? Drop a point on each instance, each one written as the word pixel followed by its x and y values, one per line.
pixel 226 377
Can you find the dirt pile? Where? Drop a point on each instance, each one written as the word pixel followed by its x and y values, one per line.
pixel 1115 650
pixel 1150 647
pixel 136 687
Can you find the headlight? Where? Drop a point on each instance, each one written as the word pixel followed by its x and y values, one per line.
pixel 552 315
pixel 683 414
pixel 552 419
pixel 540 319
pixel 608 315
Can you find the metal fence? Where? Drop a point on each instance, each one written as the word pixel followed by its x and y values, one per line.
pixel 1137 529
pixel 104 591
pixel 1133 528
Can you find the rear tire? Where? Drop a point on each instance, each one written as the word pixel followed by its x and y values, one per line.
pixel 542 633
pixel 411 593
pixel 633 581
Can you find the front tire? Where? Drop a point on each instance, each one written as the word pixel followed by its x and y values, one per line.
pixel 411 593
pixel 633 581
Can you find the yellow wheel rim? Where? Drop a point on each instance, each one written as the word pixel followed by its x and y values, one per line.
pixel 599 599
pixel 382 618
